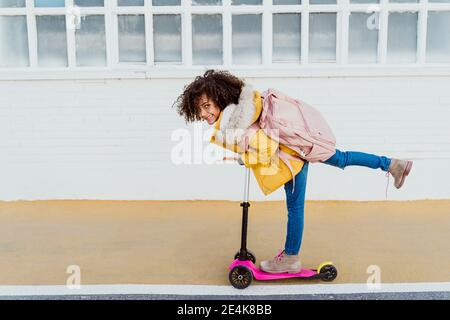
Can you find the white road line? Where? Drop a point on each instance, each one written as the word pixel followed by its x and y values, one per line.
pixel 259 290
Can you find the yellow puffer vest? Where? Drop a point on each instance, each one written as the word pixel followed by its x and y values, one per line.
pixel 270 172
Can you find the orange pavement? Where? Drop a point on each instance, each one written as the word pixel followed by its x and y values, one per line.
pixel 192 242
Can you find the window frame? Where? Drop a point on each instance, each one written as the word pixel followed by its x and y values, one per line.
pixel 119 70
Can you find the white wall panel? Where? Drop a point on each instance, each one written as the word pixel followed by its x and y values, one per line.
pixel 111 139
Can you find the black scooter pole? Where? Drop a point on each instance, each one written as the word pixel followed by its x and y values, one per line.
pixel 245 205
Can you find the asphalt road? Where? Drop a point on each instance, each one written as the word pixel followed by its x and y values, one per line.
pixel 356 296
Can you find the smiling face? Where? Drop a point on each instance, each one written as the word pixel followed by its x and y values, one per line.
pixel 208 109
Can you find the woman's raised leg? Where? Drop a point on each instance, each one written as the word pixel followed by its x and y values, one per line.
pixel 398 168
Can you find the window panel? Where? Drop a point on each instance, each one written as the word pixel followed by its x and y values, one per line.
pixel 13 41
pixel 322 37
pixel 207 39
pixel 207 34
pixel 206 2
pixel 438 36
pixel 364 1
pixel 12 3
pixel 89 3
pixel 132 38
pixel 49 3
pixel 52 41
pixel 403 1
pixel 247 39
pixel 248 2
pixel 167 38
pixel 287 1
pixel 124 3
pixel 286 37
pixel 322 1
pixel 402 37
pixel 166 2
pixel 362 40
pixel 90 41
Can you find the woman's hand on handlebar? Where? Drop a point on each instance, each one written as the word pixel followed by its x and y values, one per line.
pixel 231 158
pixel 234 158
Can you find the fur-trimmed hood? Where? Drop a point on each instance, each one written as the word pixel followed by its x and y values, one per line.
pixel 236 118
pixel 238 129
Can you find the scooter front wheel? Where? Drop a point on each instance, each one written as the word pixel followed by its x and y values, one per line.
pixel 328 272
pixel 240 277
pixel 250 256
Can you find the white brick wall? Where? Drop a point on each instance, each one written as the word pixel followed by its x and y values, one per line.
pixel 111 139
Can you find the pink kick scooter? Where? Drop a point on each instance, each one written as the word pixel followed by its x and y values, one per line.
pixel 243 269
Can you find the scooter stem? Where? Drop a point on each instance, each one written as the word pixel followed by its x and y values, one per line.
pixel 247 184
pixel 245 205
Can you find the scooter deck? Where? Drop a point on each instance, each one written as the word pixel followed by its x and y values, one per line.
pixel 258 274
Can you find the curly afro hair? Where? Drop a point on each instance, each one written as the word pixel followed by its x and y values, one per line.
pixel 220 86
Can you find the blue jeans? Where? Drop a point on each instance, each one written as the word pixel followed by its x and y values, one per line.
pixel 295 202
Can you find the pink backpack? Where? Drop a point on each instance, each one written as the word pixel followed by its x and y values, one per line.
pixel 297 125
